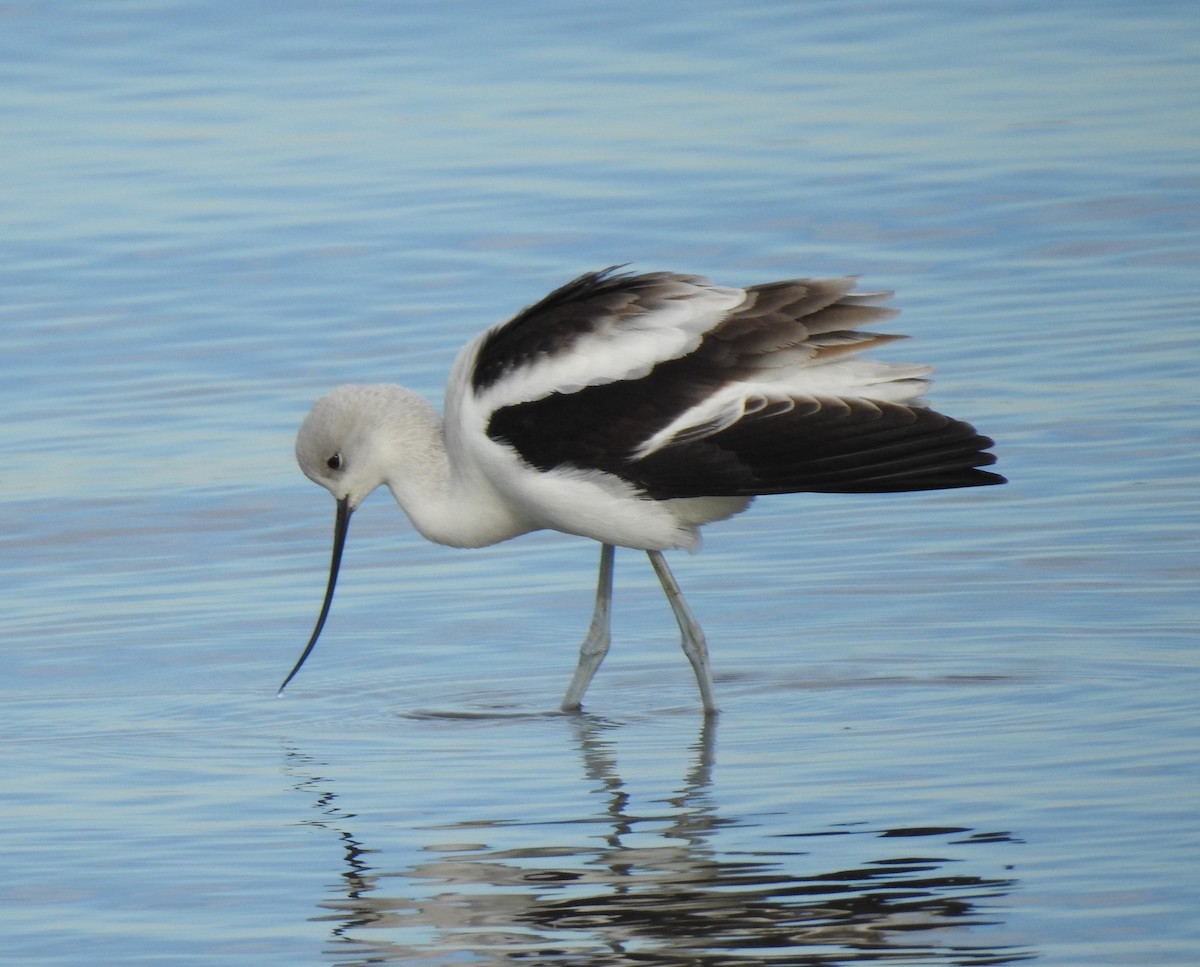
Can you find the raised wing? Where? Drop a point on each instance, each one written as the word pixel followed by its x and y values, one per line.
pixel 685 389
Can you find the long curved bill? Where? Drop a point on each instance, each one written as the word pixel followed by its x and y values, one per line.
pixel 341 526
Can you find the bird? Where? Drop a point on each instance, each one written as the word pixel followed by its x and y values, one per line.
pixel 633 409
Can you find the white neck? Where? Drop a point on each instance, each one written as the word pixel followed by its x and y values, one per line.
pixel 448 504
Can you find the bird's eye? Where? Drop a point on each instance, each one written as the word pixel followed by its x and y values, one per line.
pixel 334 462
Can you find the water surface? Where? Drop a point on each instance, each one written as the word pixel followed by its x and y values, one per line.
pixel 957 728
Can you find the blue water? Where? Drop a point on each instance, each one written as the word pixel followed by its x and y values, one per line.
pixel 957 728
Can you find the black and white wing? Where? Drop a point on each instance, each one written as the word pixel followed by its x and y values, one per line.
pixel 686 389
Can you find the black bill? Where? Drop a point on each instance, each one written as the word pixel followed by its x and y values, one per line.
pixel 341 525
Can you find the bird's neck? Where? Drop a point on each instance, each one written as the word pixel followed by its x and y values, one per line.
pixel 448 504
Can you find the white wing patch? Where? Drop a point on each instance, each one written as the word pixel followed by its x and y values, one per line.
pixel 619 347
pixel 811 387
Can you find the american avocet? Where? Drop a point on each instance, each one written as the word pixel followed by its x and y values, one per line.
pixel 634 409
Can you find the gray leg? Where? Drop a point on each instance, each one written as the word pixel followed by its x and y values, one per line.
pixel 595 645
pixel 693 642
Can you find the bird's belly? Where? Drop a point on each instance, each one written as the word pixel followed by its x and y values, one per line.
pixel 607 509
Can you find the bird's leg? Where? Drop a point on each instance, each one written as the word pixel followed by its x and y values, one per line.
pixel 694 645
pixel 595 645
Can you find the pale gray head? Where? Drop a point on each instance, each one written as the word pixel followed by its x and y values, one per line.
pixel 342 444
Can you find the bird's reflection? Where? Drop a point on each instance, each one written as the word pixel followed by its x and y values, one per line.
pixel 656 889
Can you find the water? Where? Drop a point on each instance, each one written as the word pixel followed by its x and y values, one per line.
pixel 957 728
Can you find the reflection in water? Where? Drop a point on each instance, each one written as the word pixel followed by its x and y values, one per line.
pixel 654 890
